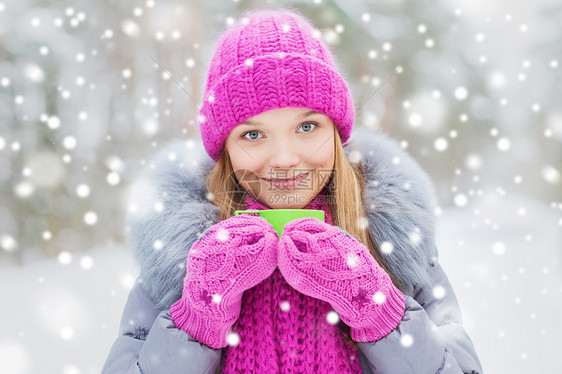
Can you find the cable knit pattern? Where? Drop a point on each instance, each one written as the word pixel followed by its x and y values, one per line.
pixel 231 257
pixel 285 331
pixel 327 263
pixel 271 58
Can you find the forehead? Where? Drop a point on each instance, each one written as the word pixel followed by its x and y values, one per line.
pixel 288 114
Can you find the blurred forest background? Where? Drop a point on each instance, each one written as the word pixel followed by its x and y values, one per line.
pixel 90 89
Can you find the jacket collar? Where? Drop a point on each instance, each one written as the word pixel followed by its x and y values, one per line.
pixel 170 209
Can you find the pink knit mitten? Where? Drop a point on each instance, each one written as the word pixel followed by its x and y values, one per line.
pixel 235 255
pixel 327 263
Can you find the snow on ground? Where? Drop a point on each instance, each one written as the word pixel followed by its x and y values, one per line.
pixel 504 267
pixel 62 318
pixel 508 280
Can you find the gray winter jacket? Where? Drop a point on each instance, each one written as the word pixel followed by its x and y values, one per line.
pixel 170 210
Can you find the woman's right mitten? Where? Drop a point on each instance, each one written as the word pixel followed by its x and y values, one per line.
pixel 234 255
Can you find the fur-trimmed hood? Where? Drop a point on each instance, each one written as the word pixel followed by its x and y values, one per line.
pixel 169 210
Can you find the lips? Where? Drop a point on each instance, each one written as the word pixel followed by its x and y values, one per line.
pixel 281 180
pixel 285 184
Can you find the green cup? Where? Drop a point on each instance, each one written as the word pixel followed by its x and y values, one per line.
pixel 280 217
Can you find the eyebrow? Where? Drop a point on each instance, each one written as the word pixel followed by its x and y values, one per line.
pixel 302 115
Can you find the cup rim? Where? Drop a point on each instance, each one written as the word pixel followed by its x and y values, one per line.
pixel 278 210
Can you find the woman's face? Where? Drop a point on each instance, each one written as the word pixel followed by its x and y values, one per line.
pixel 275 146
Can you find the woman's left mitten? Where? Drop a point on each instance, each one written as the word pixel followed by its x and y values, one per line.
pixel 327 263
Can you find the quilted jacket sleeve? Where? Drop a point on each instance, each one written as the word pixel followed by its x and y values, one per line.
pixel 150 343
pixel 429 339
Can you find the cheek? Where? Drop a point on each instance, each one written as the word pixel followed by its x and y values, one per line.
pixel 324 156
pixel 245 168
pixel 323 163
pixel 240 159
pixel 249 166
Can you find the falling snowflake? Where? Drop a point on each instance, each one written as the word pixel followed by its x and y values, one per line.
pixel 415 236
pixel 233 339
pixel 223 235
pixel 332 317
pixel 387 247
pixel 407 340
pixel 285 306
pixel 352 260
pixel 439 292
pixel 379 297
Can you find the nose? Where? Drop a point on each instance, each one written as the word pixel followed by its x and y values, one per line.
pixel 283 156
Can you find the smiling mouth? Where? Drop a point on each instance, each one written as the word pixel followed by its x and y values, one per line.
pixel 277 180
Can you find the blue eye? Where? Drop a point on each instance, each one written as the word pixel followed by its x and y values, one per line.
pixel 249 132
pixel 310 123
pixel 304 124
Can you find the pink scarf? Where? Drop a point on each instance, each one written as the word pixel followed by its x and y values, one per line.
pixel 284 331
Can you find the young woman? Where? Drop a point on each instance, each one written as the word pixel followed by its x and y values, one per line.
pixel 360 292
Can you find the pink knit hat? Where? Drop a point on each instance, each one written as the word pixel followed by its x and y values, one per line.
pixel 270 59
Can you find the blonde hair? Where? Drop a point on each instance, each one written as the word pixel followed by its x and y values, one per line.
pixel 345 192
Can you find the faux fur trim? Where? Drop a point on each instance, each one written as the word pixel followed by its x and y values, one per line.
pixel 169 211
